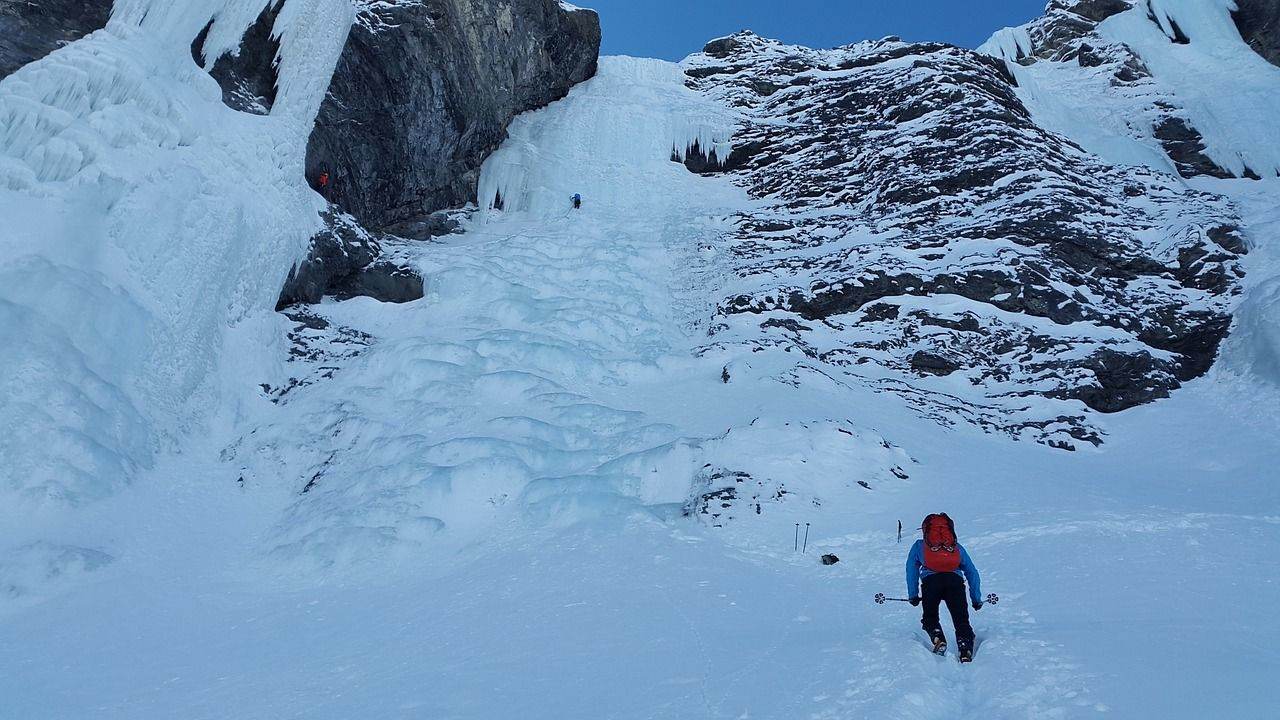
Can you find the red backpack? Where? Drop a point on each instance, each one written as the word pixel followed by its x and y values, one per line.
pixel 941 549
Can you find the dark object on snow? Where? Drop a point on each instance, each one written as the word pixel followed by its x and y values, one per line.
pixel 927 362
pixel 829 559
pixel 577 201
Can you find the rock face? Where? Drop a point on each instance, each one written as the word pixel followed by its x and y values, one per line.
pixel 1259 24
pixel 345 261
pixel 425 91
pixel 248 77
pixel 921 233
pixel 30 30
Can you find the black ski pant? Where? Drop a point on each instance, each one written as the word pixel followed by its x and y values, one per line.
pixel 947 588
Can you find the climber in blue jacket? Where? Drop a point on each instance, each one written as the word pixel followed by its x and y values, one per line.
pixel 938 567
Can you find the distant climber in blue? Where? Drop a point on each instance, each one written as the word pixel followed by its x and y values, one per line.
pixel 940 565
pixel 577 201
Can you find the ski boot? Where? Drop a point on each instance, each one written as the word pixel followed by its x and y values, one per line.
pixel 966 654
pixel 939 645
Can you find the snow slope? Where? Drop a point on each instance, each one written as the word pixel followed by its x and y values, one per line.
pixel 529 494
pixel 143 217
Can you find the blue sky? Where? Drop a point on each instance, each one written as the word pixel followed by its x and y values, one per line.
pixel 672 29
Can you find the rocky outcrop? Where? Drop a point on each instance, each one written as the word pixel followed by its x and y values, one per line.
pixel 917 227
pixel 1066 33
pixel 345 260
pixel 247 76
pixel 30 30
pixel 1259 25
pixel 424 93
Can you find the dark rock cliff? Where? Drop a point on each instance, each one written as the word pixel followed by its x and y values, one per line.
pixel 30 30
pixel 1259 24
pixel 425 91
pixel 248 76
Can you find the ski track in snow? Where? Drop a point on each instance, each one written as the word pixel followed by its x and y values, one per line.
pixel 495 530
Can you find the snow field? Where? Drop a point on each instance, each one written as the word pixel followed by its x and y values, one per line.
pixel 509 389
pixel 505 514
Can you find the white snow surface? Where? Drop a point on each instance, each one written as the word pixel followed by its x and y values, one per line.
pixel 495 525
pixel 143 218
pixel 1228 92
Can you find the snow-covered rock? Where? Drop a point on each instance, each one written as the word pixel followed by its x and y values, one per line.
pixel 1166 83
pixel 921 232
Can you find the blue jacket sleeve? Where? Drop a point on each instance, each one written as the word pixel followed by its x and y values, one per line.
pixel 971 575
pixel 915 558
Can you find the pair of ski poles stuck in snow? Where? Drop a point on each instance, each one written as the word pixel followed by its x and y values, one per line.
pixel 992 599
pixel 805 548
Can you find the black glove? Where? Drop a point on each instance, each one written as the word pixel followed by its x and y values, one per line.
pixel 915 601
pixel 977 605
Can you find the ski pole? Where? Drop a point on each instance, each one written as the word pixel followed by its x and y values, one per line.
pixel 806 539
pixel 796 546
pixel 992 599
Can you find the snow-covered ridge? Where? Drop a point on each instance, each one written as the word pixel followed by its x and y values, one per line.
pixel 143 218
pixel 1169 83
